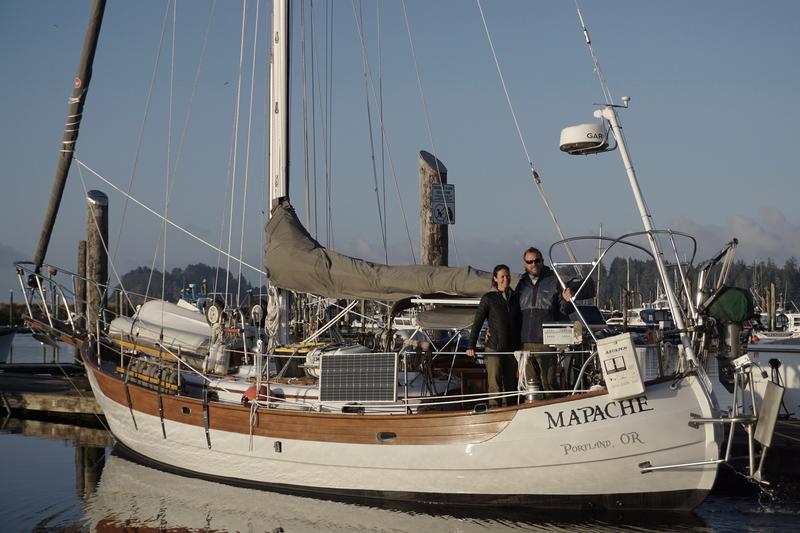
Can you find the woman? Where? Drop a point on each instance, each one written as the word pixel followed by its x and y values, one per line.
pixel 501 307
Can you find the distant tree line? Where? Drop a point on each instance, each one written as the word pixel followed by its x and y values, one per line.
pixel 638 276
pixel 641 279
pixel 143 282
pixel 12 316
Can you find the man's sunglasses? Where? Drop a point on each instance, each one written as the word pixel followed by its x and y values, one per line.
pixel 536 261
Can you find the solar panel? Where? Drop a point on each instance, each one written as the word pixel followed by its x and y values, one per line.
pixel 358 377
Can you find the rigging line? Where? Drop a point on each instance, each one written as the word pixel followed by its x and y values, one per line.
pixel 603 83
pixel 325 111
pixel 168 162
pixel 162 234
pixel 326 117
pixel 247 147
pixel 385 140
pixel 195 84
pixel 314 112
pixel 235 148
pixel 534 174
pixel 219 247
pixel 103 242
pixel 152 266
pixel 595 61
pixel 262 182
pixel 140 138
pixel 84 395
pixel 304 68
pixel 428 125
pixel 380 109
pixel 171 223
pixel 190 368
pixel 185 128
pixel 224 205
pixel 360 24
pixel 329 145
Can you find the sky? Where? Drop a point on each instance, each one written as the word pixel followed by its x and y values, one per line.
pixel 712 116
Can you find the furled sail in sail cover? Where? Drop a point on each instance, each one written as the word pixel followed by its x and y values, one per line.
pixel 296 261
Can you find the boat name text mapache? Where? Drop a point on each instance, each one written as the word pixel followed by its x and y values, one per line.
pixel 593 413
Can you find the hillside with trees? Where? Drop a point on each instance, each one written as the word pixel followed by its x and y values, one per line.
pixel 644 284
pixel 640 277
pixel 143 281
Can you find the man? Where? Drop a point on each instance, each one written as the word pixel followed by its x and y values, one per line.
pixel 501 307
pixel 541 300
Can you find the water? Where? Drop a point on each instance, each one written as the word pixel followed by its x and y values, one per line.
pixel 65 484
pixel 27 350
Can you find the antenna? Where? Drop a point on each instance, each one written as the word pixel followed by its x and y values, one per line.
pixel 608 113
pixel 596 62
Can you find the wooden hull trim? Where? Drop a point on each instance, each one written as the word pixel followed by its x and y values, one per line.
pixel 428 428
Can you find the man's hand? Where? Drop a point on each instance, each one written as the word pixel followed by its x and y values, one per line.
pixel 567 294
pixel 471 352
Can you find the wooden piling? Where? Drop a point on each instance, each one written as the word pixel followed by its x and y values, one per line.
pixel 96 256
pixel 433 240
pixel 89 462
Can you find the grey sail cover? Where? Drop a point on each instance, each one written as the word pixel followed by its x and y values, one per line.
pixel 296 261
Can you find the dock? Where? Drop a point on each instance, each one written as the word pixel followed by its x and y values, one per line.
pixel 58 396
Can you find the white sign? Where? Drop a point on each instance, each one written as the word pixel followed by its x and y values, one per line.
pixel 620 367
pixel 559 334
pixel 443 203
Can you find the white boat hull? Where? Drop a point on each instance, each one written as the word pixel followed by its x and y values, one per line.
pixel 583 452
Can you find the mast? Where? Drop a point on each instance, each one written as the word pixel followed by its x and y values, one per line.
pixel 71 129
pixel 278 303
pixel 279 103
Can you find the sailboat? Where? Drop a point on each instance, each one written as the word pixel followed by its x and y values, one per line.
pixel 616 443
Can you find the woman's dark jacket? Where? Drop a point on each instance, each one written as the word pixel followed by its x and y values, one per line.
pixel 540 303
pixel 504 321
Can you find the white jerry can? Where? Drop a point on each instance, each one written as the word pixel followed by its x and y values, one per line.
pixel 220 358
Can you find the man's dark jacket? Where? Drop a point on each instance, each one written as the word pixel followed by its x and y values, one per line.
pixel 540 303
pixel 504 321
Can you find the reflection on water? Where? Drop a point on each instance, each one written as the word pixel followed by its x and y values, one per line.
pixel 28 350
pixel 44 480
pixel 50 486
pixel 130 495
